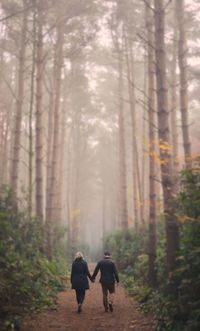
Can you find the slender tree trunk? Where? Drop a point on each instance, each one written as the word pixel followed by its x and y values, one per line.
pixel 103 210
pixel 5 150
pixel 68 195
pixel 61 166
pixel 39 119
pixel 134 131
pixel 1 125
pixel 164 139
pixel 62 154
pixel 144 167
pixel 182 60
pixel 173 107
pixel 122 154
pixel 5 132
pixel 132 113
pixel 49 155
pixel 30 168
pixel 55 156
pixel 138 179
pixel 19 106
pixel 152 137
pixel 137 189
pixel 76 182
pixel 62 150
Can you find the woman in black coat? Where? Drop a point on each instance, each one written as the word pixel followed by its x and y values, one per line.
pixel 79 278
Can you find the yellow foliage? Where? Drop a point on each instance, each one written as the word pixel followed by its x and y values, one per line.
pixel 164 145
pixel 184 218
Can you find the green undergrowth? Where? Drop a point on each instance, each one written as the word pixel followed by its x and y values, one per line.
pixel 28 280
pixel 177 309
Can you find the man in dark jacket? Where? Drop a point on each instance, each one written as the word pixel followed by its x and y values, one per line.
pixel 108 277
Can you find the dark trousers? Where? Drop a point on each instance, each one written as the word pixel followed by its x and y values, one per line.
pixel 80 296
pixel 107 288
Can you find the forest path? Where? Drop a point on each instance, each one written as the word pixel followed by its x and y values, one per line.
pixel 125 316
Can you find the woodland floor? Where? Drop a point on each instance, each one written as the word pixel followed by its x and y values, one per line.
pixel 125 316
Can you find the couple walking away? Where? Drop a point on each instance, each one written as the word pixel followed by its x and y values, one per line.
pixel 80 274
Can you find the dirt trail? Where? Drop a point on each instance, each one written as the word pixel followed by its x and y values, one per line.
pixel 125 316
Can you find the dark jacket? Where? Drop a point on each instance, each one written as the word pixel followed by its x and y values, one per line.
pixel 79 275
pixel 108 272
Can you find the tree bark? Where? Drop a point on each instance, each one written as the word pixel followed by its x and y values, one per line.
pixel 182 60
pixel 164 139
pixel 19 106
pixel 53 203
pixel 152 138
pixel 39 120
pixel 32 83
pixel 173 107
pixel 122 153
pixel 131 91
pixel 75 217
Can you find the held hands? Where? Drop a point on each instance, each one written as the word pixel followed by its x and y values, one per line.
pixel 92 280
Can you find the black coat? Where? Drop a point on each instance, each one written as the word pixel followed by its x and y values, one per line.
pixel 79 275
pixel 108 271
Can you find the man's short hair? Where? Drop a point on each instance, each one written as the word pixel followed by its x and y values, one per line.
pixel 107 254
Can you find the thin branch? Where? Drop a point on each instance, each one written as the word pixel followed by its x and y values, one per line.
pixel 167 4
pixel 145 41
pixel 16 13
pixel 156 179
pixel 8 85
pixel 148 5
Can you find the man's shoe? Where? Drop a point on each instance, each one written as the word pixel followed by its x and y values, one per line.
pixel 111 307
pixel 79 309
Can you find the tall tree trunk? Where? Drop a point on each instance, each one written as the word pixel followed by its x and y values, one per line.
pixel 164 139
pixel 53 203
pixel 4 142
pixel 144 167
pixel 136 164
pixel 68 194
pixel 61 163
pixel 137 187
pixel 122 153
pixel 49 154
pixel 62 152
pixel 152 137
pixel 1 124
pixel 19 105
pixel 2 138
pixel 182 60
pixel 5 149
pixel 39 124
pixel 30 167
pixel 173 106
pixel 131 90
pixel 75 225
